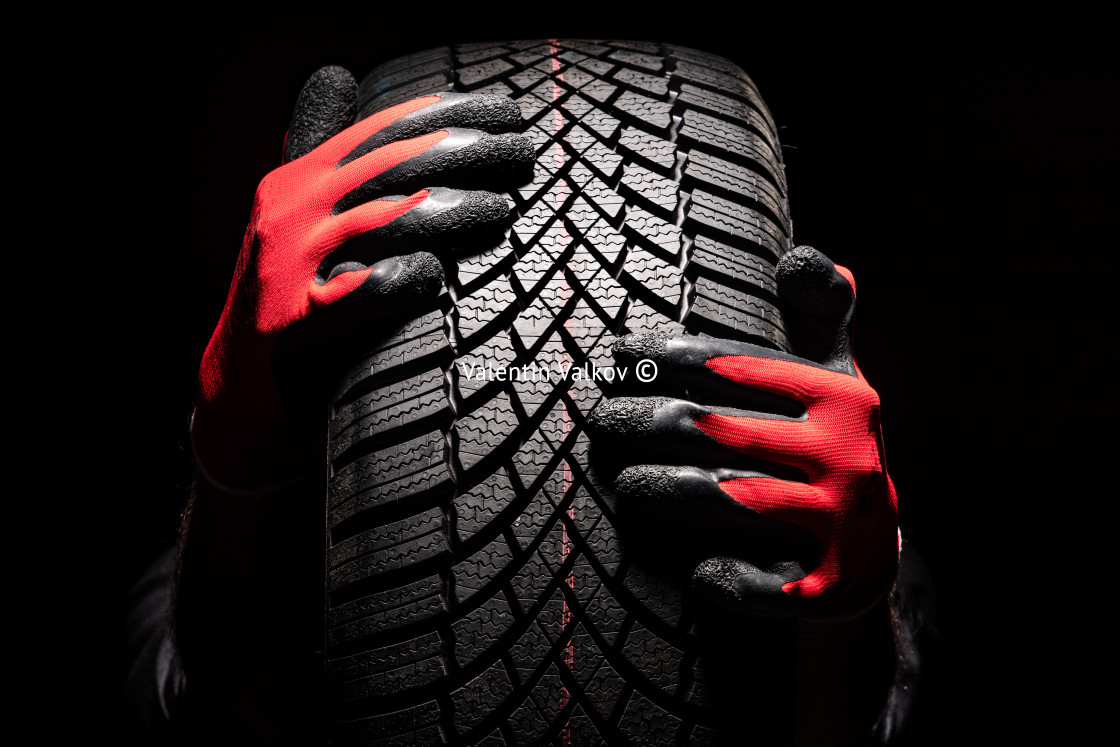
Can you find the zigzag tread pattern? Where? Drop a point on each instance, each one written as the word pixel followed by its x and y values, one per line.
pixel 479 591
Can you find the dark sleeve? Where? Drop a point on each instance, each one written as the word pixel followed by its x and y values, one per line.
pixel 157 701
pixel 918 647
pixel 155 685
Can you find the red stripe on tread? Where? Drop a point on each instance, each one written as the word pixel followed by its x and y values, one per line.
pixel 565 292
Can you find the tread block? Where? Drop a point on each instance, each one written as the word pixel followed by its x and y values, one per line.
pixel 387 476
pixel 482 72
pixel 649 147
pixel 654 231
pixel 659 661
pixel 387 682
pixel 719 137
pixel 477 633
pixel 481 569
pixel 419 339
pixel 372 662
pixel 385 538
pixel 480 697
pixel 478 508
pixel 532 721
pixel 745 315
pixel 405 554
pixel 481 431
pixel 465 55
pixel 652 85
pixel 658 192
pixel 631 54
pixel 710 171
pixel 722 263
pixel 390 407
pixel 414 725
pixel 652 113
pixel 647 722
pixel 383 611
pixel 738 221
pixel 730 108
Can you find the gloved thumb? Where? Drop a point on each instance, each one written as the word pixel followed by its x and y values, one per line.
pixel 327 105
pixel 820 301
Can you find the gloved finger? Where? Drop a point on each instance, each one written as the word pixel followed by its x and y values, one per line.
pixel 327 104
pixel 686 363
pixel 675 431
pixel 352 310
pixel 430 220
pixel 487 112
pixel 741 587
pixel 845 584
pixel 453 157
pixel 334 152
pixel 685 494
pixel 820 301
pixel 352 176
pixel 420 273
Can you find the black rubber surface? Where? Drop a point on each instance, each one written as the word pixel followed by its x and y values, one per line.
pixel 479 591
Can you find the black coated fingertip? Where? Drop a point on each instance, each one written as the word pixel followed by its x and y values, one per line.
pixel 673 484
pixel 648 483
pixel 740 586
pixel 454 210
pixel 419 276
pixel 808 281
pixel 637 346
pixel 624 417
pixel 465 213
pixel 722 580
pixel 327 105
pixel 485 111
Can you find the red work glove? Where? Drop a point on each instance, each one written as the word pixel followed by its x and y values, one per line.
pixel 796 455
pixel 315 276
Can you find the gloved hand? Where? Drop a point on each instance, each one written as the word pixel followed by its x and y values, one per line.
pixel 316 273
pixel 787 447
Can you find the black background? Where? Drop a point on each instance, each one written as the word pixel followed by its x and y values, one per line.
pixel 956 162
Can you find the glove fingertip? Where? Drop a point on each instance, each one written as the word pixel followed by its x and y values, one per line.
pixel 648 483
pixel 421 276
pixel 807 280
pixel 327 104
pixel 636 346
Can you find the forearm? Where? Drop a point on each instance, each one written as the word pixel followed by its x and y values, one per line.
pixel 844 673
pixel 248 602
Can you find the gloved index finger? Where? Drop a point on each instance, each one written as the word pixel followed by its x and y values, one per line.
pixel 450 157
pixel 336 150
pixel 485 112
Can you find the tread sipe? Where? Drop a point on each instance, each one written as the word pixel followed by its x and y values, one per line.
pixel 478 591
